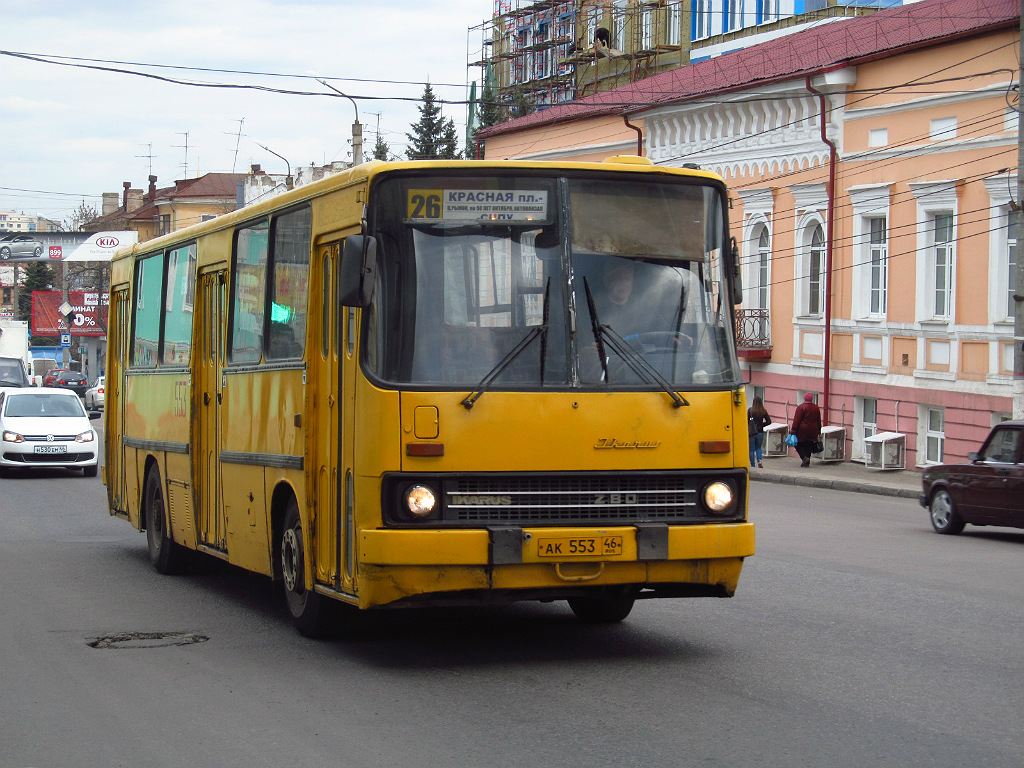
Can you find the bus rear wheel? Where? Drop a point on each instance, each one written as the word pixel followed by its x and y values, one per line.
pixel 609 609
pixel 310 611
pixel 165 555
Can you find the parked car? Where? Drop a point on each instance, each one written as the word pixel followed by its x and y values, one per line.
pixel 989 490
pixel 46 428
pixel 19 245
pixel 94 395
pixel 12 372
pixel 72 380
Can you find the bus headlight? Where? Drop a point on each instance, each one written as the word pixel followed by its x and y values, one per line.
pixel 719 498
pixel 420 501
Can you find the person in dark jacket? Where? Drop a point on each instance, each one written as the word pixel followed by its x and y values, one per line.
pixel 757 420
pixel 807 428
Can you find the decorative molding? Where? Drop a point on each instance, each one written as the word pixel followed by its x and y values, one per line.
pixel 777 133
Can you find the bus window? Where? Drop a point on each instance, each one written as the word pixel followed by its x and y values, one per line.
pixel 289 282
pixel 181 292
pixel 146 323
pixel 249 293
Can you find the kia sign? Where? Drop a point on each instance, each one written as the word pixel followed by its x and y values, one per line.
pixel 87 315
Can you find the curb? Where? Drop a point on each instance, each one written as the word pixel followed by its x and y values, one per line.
pixel 836 485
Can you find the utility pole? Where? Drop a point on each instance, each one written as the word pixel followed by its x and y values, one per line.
pixel 357 129
pixel 1018 293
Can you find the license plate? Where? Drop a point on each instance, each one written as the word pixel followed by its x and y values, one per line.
pixel 50 449
pixel 580 546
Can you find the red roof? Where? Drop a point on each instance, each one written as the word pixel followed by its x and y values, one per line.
pixel 828 46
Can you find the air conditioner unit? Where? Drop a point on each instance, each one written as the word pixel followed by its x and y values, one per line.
pixel 775 440
pixel 834 441
pixel 886 450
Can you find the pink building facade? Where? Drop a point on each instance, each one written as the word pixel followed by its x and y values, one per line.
pixel 872 165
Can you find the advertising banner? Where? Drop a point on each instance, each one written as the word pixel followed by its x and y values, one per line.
pixel 86 313
pixel 63 246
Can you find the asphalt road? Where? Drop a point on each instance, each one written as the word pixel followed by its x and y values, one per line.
pixel 858 638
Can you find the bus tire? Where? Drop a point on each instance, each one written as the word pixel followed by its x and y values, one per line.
pixel 310 611
pixel 165 555
pixel 609 609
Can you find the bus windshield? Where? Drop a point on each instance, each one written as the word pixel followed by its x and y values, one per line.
pixel 528 282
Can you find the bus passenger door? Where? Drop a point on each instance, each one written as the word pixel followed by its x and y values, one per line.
pixel 323 419
pixel 211 529
pixel 119 319
pixel 331 364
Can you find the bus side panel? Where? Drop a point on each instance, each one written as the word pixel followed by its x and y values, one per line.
pixel 262 441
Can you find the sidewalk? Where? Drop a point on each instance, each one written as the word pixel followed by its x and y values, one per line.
pixel 840 476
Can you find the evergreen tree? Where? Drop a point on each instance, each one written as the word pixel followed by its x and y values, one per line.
pixel 381 150
pixel 489 114
pixel 433 137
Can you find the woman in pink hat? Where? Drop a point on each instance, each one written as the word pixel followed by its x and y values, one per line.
pixel 807 428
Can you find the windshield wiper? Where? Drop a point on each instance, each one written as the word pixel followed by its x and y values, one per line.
pixel 632 357
pixel 538 330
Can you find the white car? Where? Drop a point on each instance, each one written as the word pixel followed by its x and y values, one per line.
pixel 43 428
pixel 94 395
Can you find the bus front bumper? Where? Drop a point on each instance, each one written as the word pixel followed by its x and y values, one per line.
pixel 550 563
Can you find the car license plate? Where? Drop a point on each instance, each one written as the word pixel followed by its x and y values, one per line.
pixel 50 449
pixel 580 546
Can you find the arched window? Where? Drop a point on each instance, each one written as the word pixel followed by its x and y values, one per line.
pixel 762 257
pixel 816 273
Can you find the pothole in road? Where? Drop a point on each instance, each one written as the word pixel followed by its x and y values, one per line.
pixel 146 639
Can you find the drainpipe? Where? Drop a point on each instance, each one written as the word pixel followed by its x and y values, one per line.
pixel 639 136
pixel 833 157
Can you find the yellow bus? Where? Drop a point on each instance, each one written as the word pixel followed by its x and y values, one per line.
pixel 440 383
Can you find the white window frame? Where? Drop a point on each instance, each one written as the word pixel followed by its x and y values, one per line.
pixel 870 259
pixel 646 28
pixel 878 265
pixel 674 23
pixel 620 13
pixel 932 435
pixel 812 291
pixel 702 19
pixel 865 424
pixel 936 260
pixel 1002 191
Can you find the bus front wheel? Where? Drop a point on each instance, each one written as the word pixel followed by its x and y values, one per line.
pixel 167 557
pixel 609 609
pixel 309 611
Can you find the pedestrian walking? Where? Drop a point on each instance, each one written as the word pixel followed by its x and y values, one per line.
pixel 807 428
pixel 757 420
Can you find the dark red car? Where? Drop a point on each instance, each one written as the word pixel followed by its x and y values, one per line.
pixel 987 491
pixel 52 374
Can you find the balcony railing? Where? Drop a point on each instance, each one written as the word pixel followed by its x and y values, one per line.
pixel 754 334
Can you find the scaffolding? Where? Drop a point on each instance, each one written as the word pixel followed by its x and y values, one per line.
pixel 540 53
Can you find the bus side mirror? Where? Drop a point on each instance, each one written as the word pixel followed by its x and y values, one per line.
pixel 737 275
pixel 358 271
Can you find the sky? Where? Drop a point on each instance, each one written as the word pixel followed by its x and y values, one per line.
pixel 70 133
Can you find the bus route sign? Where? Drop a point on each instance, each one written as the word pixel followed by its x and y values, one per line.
pixel 510 205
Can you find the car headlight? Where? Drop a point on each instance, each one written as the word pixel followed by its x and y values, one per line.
pixel 86 437
pixel 719 498
pixel 420 500
pixel 12 437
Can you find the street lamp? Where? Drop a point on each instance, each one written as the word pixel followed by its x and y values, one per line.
pixel 357 129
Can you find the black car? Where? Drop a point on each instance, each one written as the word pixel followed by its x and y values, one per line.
pixel 987 491
pixel 72 380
